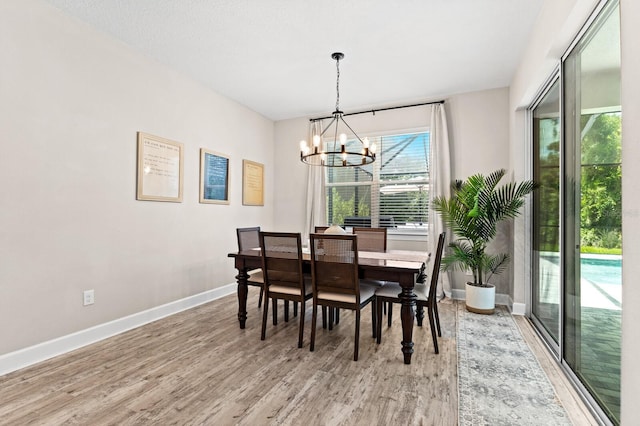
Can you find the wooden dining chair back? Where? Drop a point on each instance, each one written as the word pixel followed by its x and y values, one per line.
pixel 249 239
pixel 371 239
pixel 334 272
pixel 426 297
pixel 320 229
pixel 283 274
pixel 374 240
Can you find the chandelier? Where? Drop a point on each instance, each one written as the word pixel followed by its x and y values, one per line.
pixel 335 153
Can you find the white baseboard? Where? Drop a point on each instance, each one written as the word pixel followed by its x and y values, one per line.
pixel 22 358
pixel 457 294
pixel 502 299
pixel 519 309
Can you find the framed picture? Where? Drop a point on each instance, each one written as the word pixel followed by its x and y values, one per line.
pixel 252 183
pixel 160 169
pixel 214 177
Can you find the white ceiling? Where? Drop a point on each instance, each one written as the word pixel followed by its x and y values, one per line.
pixel 274 56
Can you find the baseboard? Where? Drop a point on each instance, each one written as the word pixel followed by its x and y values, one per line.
pixel 519 309
pixel 28 356
pixel 503 299
pixel 458 294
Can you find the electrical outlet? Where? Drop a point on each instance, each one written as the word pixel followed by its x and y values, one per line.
pixel 88 297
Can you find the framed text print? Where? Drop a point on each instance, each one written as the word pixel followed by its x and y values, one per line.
pixel 214 177
pixel 160 169
pixel 252 183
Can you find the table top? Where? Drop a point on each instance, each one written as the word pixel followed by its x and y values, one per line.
pixel 402 259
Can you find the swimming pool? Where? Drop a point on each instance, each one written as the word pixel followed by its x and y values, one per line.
pixel 601 269
pixel 597 268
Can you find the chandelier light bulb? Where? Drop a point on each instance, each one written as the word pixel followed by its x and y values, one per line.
pixel 316 140
pixel 373 148
pixel 303 145
pixel 365 142
pixel 343 138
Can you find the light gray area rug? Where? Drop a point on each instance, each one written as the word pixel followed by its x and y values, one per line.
pixel 500 382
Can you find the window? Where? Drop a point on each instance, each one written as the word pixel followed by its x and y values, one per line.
pixel 392 192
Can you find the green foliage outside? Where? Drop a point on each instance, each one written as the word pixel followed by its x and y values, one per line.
pixel 601 195
pixel 600 250
pixel 600 186
pixel 342 208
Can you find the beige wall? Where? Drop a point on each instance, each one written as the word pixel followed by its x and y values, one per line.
pixel 630 11
pixel 71 102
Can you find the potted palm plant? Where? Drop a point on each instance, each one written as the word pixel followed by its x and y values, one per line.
pixel 473 212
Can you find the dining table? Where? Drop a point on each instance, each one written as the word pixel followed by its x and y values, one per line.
pixel 405 267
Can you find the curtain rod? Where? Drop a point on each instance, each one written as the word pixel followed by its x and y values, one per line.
pixel 373 111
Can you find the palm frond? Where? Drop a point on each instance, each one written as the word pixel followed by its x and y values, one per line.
pixel 473 211
pixel 496 264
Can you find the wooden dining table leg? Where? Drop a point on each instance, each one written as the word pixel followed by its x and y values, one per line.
pixel 407 315
pixel 242 296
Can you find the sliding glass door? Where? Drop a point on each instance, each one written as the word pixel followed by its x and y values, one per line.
pixel 577 232
pixel 545 307
pixel 593 199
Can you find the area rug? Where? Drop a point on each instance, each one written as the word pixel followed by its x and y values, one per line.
pixel 500 382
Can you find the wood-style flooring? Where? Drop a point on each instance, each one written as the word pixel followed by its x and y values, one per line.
pixel 198 367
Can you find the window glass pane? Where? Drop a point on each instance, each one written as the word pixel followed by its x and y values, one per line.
pixel 392 192
pixel 404 185
pixel 546 214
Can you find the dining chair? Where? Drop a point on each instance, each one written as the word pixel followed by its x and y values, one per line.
pixel 426 297
pixel 334 272
pixel 248 239
pixel 371 239
pixel 283 275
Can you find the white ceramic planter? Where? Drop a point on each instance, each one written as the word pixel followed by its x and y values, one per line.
pixel 481 300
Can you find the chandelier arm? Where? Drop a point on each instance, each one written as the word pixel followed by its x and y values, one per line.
pixel 349 127
pixel 328 126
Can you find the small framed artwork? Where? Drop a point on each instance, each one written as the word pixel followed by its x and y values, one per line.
pixel 214 177
pixel 160 169
pixel 252 183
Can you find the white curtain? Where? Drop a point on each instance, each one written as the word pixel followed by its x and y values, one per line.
pixel 439 183
pixel 316 210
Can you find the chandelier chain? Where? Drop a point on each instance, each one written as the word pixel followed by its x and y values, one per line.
pixel 338 84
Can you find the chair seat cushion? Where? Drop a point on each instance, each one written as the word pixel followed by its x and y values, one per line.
pixel 283 289
pixel 392 290
pixel 366 293
pixel 256 276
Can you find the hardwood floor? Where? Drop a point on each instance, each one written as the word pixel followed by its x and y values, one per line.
pixel 198 367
